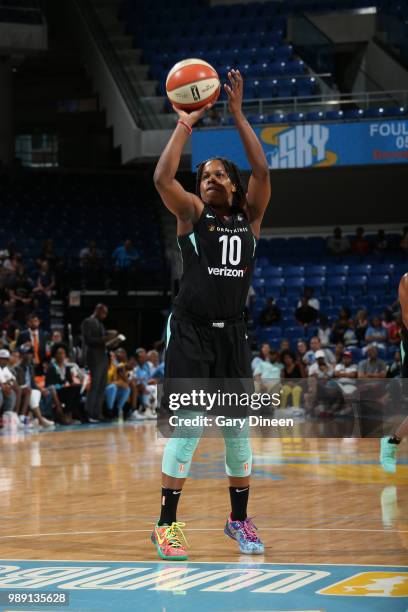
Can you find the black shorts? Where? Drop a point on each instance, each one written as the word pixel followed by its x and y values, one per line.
pixel 207 349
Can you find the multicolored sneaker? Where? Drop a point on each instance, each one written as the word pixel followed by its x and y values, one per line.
pixel 388 455
pixel 244 532
pixel 168 540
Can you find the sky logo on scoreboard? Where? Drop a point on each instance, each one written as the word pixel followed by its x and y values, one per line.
pixel 302 146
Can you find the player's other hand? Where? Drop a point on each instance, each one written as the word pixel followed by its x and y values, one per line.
pixel 234 91
pixel 194 116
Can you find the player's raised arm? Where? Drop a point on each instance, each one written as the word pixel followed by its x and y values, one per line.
pixel 259 186
pixel 185 205
pixel 403 298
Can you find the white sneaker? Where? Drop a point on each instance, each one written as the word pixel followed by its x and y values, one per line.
pixel 46 423
pixel 150 413
pixel 137 416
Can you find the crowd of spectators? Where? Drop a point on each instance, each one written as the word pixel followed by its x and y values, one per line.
pixel 339 245
pixel 43 381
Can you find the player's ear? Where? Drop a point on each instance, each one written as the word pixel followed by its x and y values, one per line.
pixel 233 188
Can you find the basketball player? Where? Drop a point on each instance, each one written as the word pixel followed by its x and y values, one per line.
pixel 389 445
pixel 217 232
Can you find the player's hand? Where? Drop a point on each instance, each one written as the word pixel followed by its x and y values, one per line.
pixel 235 91
pixel 194 116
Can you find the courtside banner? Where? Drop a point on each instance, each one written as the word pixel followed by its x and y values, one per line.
pixel 313 145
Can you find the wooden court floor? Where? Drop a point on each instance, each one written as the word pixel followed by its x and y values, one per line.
pixel 94 493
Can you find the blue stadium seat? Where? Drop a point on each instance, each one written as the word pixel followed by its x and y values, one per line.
pixel 317 282
pixel 292 271
pixel 305 86
pixel 354 113
pixel 396 111
pixel 295 117
pixel 337 269
pixel 355 269
pixel 374 112
pixel 378 282
pixel 325 302
pixel 336 282
pixel 334 115
pixel 294 285
pixel 356 284
pixel 315 116
pixel 315 270
pixel 273 283
pixel 272 271
pixel 293 334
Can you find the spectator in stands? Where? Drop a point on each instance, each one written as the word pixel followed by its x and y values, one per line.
pixel 270 315
pixel 308 293
pixel 324 331
pixel 59 377
pixel 310 356
pixel 36 337
pixel 305 314
pixel 125 258
pixel 31 392
pixel 117 391
pixel 338 352
pixel 264 354
pixel 349 337
pixel 372 366
pixel 300 356
pixel 376 333
pixel 361 325
pixel 147 386
pixel 21 293
pixel 338 244
pixel 321 368
pixel 404 241
pixel 267 375
pixel 360 244
pixel 394 369
pixel 48 254
pixel 341 325
pixel 45 281
pixel 291 374
pixel 212 118
pixel 393 325
pixel 284 346
pixel 8 391
pixel 91 264
pixel 345 374
pixel 90 256
pixel 381 244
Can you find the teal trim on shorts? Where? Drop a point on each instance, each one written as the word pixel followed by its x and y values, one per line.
pixel 402 352
pixel 168 330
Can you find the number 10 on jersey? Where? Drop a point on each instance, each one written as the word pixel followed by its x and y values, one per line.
pixel 231 247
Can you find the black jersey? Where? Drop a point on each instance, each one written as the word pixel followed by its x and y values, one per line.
pixel 218 259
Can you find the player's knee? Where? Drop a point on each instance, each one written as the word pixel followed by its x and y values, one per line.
pixel 177 456
pixel 238 456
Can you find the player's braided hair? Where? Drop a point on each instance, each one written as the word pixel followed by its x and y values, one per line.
pixel 239 196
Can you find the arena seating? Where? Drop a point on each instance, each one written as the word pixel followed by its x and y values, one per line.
pixel 74 209
pixel 250 37
pixel 352 281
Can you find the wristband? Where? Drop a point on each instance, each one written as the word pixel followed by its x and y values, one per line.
pixel 188 127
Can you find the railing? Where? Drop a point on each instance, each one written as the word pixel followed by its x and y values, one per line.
pixel 141 111
pixel 364 100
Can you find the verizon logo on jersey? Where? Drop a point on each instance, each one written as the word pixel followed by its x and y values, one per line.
pixel 226 271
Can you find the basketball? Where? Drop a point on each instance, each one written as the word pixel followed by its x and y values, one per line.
pixel 192 84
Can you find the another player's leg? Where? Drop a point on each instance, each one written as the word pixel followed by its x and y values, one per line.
pixel 389 444
pixel 240 527
pixel 389 447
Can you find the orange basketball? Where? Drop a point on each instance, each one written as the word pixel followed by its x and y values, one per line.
pixel 192 84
